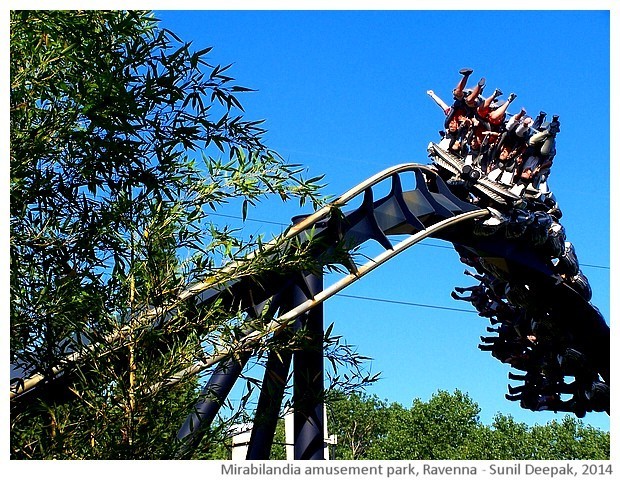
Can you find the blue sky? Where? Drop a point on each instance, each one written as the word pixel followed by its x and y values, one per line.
pixel 343 93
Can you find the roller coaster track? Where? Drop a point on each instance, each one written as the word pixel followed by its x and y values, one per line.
pixel 213 287
pixel 535 270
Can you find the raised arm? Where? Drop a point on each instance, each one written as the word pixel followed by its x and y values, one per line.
pixel 443 105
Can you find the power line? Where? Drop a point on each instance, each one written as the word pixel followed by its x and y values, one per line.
pixel 400 302
pixel 236 217
pixel 594 266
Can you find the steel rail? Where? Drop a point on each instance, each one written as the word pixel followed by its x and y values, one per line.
pixel 284 320
pixel 153 312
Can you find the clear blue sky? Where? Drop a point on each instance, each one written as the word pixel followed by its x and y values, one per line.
pixel 343 93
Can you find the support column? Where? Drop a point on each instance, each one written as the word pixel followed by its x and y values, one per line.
pixel 308 391
pixel 269 403
pixel 213 397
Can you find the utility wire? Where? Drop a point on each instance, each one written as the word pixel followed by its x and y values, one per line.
pixel 400 302
pixel 594 266
pixel 249 219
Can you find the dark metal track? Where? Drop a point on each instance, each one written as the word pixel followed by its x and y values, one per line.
pixel 524 262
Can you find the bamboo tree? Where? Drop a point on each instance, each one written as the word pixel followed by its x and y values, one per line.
pixel 123 140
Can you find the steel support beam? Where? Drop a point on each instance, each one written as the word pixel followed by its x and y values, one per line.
pixel 213 397
pixel 269 402
pixel 308 390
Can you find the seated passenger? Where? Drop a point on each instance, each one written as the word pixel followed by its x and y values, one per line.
pixel 462 104
pixel 478 297
pixel 541 174
pixel 471 100
pixel 546 138
pixel 539 155
pixel 455 125
pixel 503 160
pixel 473 149
pixel 458 141
pixel 493 111
pixel 519 125
pixel 510 146
pixel 480 142
pixel 487 150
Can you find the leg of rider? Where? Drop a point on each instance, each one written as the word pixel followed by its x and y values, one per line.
pixel 547 139
pixel 483 110
pixel 498 114
pixel 549 146
pixel 471 98
pixel 458 90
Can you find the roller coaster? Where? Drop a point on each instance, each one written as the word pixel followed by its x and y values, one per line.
pixel 529 286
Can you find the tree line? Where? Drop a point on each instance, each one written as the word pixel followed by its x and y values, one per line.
pixel 446 427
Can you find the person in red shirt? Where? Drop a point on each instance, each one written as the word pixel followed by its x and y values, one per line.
pixel 495 111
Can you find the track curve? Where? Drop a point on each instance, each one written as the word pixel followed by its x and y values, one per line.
pixel 527 270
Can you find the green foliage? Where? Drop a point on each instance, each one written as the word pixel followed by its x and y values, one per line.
pixel 432 430
pixel 360 421
pixel 447 427
pixel 278 449
pixel 123 140
pixel 570 439
pixel 505 439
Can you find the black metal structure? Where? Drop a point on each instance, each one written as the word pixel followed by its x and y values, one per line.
pixel 530 284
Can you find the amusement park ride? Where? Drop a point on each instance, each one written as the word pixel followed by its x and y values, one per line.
pixel 529 286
